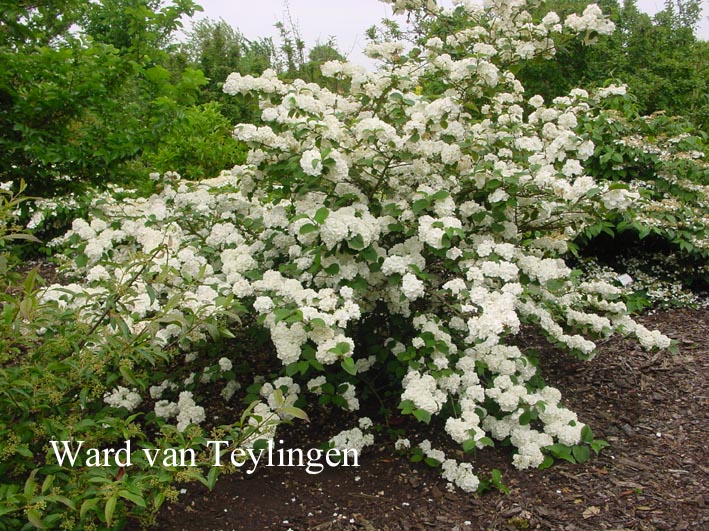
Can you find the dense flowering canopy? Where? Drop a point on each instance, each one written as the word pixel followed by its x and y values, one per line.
pixel 429 204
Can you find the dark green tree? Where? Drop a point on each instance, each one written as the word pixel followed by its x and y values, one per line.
pixel 217 49
pixel 82 89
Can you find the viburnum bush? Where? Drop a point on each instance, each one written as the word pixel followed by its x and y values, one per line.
pixel 662 158
pixel 408 227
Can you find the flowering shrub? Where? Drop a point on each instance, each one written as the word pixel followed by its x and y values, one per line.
pixel 389 228
pixel 406 229
pixel 651 279
pixel 664 160
pixel 76 373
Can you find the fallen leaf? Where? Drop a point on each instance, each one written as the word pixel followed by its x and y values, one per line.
pixel 591 511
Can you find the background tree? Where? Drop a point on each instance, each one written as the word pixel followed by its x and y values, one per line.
pixel 217 49
pixel 82 89
pixel 664 64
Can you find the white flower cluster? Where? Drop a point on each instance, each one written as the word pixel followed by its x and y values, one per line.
pixel 188 411
pixel 592 19
pixel 457 474
pixel 185 410
pixel 123 397
pixel 354 439
pixel 422 390
pixel 401 6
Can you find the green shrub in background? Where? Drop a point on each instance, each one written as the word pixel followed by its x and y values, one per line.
pixel 663 159
pixel 198 144
pixel 76 106
pixel 660 57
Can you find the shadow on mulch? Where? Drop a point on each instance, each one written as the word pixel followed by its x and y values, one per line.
pixel 651 408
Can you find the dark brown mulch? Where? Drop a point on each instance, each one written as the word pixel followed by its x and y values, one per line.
pixel 651 408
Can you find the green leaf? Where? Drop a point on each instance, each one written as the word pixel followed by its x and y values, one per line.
pixel 30 485
pixel 278 397
pixel 127 375
pixel 527 417
pixel 133 497
pixel 370 254
pixel 295 317
pixel 321 215
pixel 308 228
pixel 555 284
pixel 87 506
pixel 22 236
pixel 406 407
pixel 587 434
pixel 548 462
pixel 291 369
pixel 356 243
pixel 496 476
pixel 212 477
pixel 341 348
pixel 561 451
pixel 81 260
pixel 47 483
pixel 4 509
pixel 581 453
pixel 619 185
pixel 157 74
pixel 422 415
pixel 110 509
pixel 487 441
pixel 597 445
pixel 36 519
pixel 349 366
pixel 332 269
pixel 430 461
pixel 420 205
pixel 282 313
pixel 295 412
pixel 441 194
pixel 303 366
pixel 261 444
pixel 158 500
pixel 63 500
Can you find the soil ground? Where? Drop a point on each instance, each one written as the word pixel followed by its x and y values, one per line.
pixel 654 476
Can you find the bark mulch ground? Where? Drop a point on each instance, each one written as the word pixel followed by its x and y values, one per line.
pixel 651 408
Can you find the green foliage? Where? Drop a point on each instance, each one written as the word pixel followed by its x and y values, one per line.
pixel 660 59
pixel 113 99
pixel 136 27
pixel 663 158
pixel 76 106
pixel 217 49
pixel 37 23
pixel 54 371
pixel 317 56
pixel 198 144
pixel 495 481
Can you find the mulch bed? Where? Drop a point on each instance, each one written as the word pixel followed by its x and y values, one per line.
pixel 651 408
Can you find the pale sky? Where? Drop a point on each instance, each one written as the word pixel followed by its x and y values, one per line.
pixel 346 20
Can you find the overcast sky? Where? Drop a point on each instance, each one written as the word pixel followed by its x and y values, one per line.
pixel 346 20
